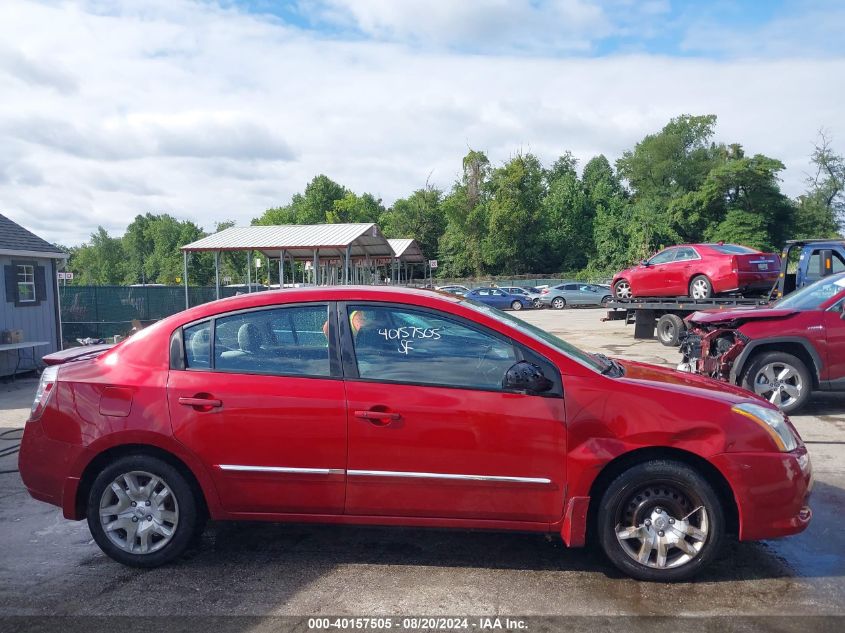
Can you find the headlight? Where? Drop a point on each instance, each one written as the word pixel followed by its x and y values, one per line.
pixel 772 421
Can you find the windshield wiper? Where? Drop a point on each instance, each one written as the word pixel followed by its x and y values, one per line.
pixel 613 367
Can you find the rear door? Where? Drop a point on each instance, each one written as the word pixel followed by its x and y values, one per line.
pixel 259 399
pixel 432 433
pixel 835 333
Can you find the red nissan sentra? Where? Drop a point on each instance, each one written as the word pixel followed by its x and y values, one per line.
pixel 399 407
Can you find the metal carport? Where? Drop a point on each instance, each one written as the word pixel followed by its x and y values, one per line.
pixel 351 249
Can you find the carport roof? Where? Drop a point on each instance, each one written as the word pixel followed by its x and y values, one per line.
pixel 299 240
pixel 407 250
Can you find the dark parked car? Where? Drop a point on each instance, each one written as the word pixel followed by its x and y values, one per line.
pixel 532 294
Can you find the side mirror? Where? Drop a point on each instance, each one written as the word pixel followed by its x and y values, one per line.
pixel 526 377
pixel 644 263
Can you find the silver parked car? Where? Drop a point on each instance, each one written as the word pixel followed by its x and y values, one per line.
pixel 533 294
pixel 574 293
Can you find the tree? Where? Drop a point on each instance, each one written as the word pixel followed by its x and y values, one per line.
pixel 466 219
pixel 606 197
pixel 515 216
pixel 821 210
pixel 354 208
pixel 567 218
pixel 100 261
pixel 419 216
pixel 311 207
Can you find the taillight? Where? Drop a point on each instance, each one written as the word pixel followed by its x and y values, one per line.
pixel 45 389
pixel 544 291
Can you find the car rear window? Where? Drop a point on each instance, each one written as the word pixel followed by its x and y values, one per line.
pixel 732 249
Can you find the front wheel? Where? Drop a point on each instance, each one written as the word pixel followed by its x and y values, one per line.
pixel 537 303
pixel 780 378
pixel 558 303
pixel 142 511
pixel 622 289
pixel 516 305
pixel 660 521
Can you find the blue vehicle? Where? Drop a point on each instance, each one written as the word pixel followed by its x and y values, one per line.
pixel 498 298
pixel 807 261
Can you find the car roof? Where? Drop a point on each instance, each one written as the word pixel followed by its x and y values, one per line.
pixel 316 293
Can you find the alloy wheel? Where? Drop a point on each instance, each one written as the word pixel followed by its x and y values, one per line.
pixel 700 289
pixel 662 526
pixel 779 383
pixel 139 512
pixel 623 290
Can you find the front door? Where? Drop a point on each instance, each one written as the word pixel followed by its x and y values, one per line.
pixel 835 335
pixel 262 409
pixel 431 432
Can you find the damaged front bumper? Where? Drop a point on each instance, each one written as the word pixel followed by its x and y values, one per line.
pixel 711 352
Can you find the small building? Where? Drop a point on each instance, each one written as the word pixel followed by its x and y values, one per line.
pixel 29 305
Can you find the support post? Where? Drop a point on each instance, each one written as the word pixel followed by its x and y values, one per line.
pixel 346 264
pixel 315 268
pixel 282 270
pixel 185 276
pixel 217 273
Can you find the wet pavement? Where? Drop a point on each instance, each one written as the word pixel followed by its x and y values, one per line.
pixel 49 566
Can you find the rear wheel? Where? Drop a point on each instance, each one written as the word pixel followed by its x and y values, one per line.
pixel 700 287
pixel 622 289
pixel 516 305
pixel 537 303
pixel 605 300
pixel 142 511
pixel 780 378
pixel 660 521
pixel 558 303
pixel 669 329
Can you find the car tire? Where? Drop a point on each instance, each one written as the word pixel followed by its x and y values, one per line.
pixel 516 305
pixel 622 289
pixel 537 303
pixel 660 521
pixel 558 303
pixel 669 329
pixel 605 300
pixel 789 372
pixel 700 287
pixel 168 511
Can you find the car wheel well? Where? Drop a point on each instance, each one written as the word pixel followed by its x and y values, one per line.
pixel 793 348
pixel 101 460
pixel 623 462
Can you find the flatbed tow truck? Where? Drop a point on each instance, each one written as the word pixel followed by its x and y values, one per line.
pixel 809 260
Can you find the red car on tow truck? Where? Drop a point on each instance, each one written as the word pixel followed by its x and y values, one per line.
pixel 781 352
pixel 398 407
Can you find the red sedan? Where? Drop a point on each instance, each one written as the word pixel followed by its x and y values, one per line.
pixel 399 407
pixel 699 271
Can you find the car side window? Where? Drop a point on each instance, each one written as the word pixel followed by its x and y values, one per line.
pixel 663 258
pixel 288 341
pixel 434 351
pixel 198 345
pixel 572 287
pixel 685 254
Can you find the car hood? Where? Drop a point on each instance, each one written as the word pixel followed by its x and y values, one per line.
pixel 684 381
pixel 740 314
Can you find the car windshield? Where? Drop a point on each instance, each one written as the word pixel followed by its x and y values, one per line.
pixel 539 335
pixel 812 296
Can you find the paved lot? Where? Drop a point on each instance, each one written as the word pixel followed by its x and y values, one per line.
pixel 51 566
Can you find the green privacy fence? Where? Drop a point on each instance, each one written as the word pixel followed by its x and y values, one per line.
pixel 106 311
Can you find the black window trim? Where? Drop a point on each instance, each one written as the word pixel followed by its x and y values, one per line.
pixel 350 362
pixel 335 371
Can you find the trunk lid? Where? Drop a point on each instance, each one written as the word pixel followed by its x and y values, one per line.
pixel 73 354
pixel 757 262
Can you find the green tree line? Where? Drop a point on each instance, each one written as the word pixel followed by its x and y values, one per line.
pixel 676 185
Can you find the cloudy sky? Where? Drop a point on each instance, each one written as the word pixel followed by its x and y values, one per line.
pixel 218 109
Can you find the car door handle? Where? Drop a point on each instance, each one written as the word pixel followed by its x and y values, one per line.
pixel 201 403
pixel 381 418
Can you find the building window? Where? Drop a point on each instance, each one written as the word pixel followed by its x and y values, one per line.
pixel 26 283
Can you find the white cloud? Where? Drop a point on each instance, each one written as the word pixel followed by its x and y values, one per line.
pixel 212 114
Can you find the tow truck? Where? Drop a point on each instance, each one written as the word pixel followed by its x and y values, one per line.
pixel 802 263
